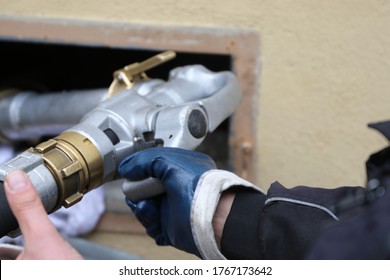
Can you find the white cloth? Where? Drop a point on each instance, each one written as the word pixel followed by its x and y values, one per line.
pixel 82 217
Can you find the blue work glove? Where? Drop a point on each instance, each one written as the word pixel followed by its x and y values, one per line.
pixel 167 217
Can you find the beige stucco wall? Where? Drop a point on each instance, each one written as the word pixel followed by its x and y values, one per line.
pixel 324 74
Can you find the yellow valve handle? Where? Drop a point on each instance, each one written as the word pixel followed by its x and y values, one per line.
pixel 126 77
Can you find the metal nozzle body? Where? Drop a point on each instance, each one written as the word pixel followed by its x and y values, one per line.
pixel 176 113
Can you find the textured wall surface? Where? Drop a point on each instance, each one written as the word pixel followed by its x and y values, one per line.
pixel 324 74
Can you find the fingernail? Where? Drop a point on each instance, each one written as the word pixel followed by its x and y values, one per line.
pixel 16 180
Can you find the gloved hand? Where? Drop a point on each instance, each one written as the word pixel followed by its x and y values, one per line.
pixel 167 216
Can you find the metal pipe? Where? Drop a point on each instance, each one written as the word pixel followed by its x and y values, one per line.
pixel 26 115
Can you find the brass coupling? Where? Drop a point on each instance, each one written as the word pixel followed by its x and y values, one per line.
pixel 75 163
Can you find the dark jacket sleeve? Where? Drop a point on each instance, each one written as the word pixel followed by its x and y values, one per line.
pixel 283 224
pixel 304 222
pixel 365 235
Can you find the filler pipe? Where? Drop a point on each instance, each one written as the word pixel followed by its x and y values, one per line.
pixel 27 115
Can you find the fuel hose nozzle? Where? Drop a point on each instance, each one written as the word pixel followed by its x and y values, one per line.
pixel 134 114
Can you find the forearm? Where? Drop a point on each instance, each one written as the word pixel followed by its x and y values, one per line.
pixel 221 214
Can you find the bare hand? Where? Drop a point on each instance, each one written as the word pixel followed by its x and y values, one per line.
pixel 42 240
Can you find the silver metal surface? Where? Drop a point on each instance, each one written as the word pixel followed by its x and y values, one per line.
pixel 28 115
pixel 176 113
pixel 160 109
pixel 39 174
pixel 138 190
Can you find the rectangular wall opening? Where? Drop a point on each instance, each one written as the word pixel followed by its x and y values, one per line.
pixel 65 54
pixel 241 46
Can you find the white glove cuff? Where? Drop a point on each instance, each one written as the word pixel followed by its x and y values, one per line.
pixel 208 191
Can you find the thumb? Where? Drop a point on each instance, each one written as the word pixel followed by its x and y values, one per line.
pixel 26 205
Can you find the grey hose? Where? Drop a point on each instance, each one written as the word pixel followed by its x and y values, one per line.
pixel 28 115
